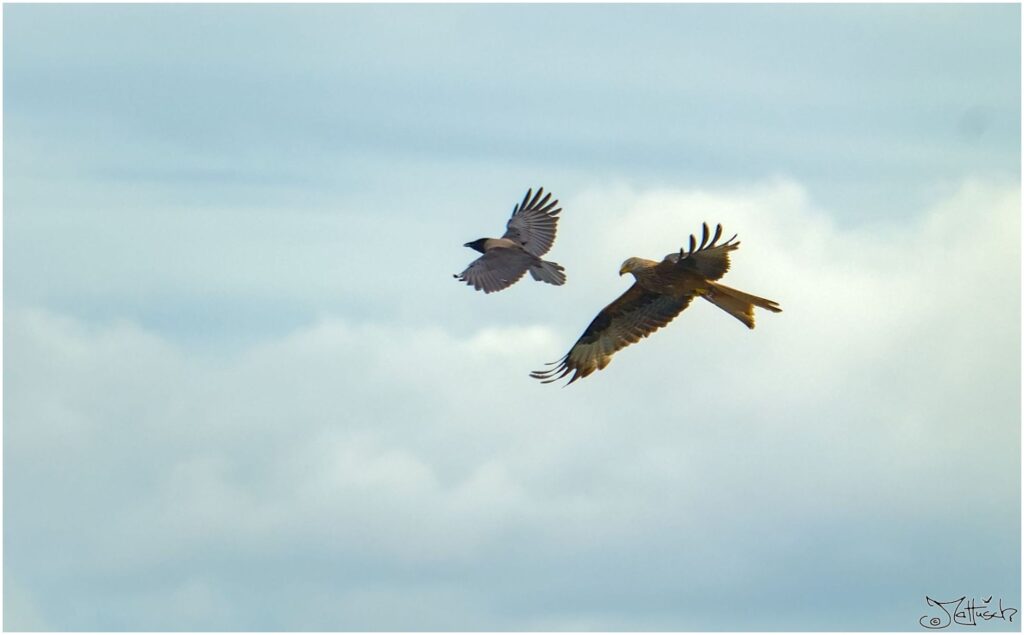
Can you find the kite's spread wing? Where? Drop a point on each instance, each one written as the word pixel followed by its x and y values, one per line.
pixel 634 315
pixel 707 260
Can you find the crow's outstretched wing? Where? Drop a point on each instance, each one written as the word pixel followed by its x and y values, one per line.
pixel 496 269
pixel 534 222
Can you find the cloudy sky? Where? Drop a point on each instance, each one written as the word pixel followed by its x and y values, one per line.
pixel 242 390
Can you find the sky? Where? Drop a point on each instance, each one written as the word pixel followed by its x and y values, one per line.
pixel 243 391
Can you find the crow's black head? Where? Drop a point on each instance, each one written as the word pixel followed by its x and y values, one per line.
pixel 477 244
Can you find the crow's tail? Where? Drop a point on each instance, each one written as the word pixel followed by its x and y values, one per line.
pixel 547 271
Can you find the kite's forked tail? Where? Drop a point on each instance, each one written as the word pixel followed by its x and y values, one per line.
pixel 547 271
pixel 738 304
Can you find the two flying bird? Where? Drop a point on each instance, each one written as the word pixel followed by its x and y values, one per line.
pixel 660 292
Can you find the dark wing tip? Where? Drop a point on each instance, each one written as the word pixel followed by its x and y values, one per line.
pixel 548 375
pixel 537 201
pixel 536 197
pixel 522 205
pixel 705 243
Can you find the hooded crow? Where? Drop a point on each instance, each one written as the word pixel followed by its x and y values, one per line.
pixel 529 235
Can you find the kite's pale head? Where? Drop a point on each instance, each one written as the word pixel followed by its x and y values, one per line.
pixel 632 264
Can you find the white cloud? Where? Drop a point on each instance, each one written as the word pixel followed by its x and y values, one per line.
pixel 395 457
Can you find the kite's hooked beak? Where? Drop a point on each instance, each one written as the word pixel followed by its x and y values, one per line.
pixel 622 270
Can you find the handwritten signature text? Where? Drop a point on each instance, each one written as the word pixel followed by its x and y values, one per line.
pixel 964 612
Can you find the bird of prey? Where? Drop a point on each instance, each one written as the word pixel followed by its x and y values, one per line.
pixel 661 291
pixel 528 236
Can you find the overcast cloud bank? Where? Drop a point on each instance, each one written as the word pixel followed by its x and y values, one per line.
pixel 369 474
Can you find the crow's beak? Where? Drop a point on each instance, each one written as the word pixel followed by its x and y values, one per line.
pixel 468 245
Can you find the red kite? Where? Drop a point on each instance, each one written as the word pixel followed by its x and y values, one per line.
pixel 661 291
